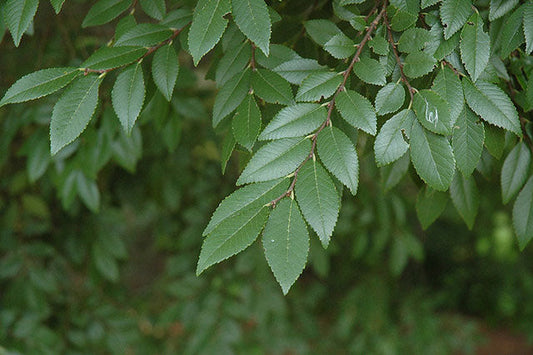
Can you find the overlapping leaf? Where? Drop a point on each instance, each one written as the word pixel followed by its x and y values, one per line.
pixel 295 121
pixel 165 69
pixel 475 46
pixel 467 141
pixel 231 95
pixel 271 87
pixel 105 11
pixel 128 96
pixel 357 111
pixel 317 86
pixel 515 171
pixel 523 214
pixel 247 122
pixel 18 15
pixel 465 198
pixel 113 57
pixel 390 144
pixel 254 21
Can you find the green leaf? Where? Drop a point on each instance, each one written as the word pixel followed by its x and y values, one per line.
pixel 528 26
pixel 231 95
pixel 418 64
pixel 253 20
pixel 523 214
pixel 427 3
pixel 177 19
pixel 492 104
pixel 475 46
pixel 338 155
pixel 370 71
pixel 113 57
pixel 105 11
pixel 73 111
pixel 318 199
pixel 512 35
pixel 340 46
pixel 228 144
pixel 271 87
pixel 57 5
pixel 248 198
pixel 402 20
pixel 467 141
pixel 38 84
pixel 128 96
pixel 295 121
pixel 390 98
pixel 429 205
pixel 296 70
pixel 494 140
pixel 247 122
pixel 465 198
pixel 515 171
pixel 154 8
pixel 393 173
pixel 380 45
pixel 38 156
pixel 390 144
pixel 165 70
pixel 231 237
pixel 286 243
pixel 88 192
pixel 275 159
pixel 124 25
pixel 208 25
pixel 413 40
pixel 18 15
pixel 321 30
pixel 445 47
pixel 448 86
pixel 233 62
pixel 357 111
pixel 279 54
pixel 145 34
pixel 319 85
pixel 105 263
pixel 433 112
pixel 453 15
pixel 432 157
pixel 498 8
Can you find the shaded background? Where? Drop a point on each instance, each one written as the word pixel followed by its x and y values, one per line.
pixel 120 279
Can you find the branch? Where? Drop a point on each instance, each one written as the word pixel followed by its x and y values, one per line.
pixel 331 105
pixel 397 56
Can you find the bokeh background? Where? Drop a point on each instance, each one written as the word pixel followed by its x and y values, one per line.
pixel 98 245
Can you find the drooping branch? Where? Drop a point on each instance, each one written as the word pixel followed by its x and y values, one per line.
pixel 331 104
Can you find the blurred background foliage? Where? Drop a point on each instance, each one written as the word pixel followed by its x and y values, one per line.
pixel 98 245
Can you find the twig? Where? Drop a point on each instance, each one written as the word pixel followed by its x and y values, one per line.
pixel 331 105
pixel 456 72
pixel 398 60
pixel 252 58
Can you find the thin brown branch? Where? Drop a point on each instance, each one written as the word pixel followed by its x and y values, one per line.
pixel 397 56
pixel 331 105
pixel 252 58
pixel 148 52
pixel 456 72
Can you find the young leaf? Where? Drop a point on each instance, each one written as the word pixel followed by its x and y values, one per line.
pixel 231 95
pixel 390 144
pixel 249 197
pixel 467 141
pixel 357 111
pixel 390 98
pixel 275 159
pixel 57 5
pixel 165 69
pixel 370 71
pixel 231 237
pixel 433 112
pixel 498 8
pixel 418 64
pixel 128 96
pixel 318 199
pixel 317 86
pixel 18 15
pixel 253 20
pixel 232 62
pixel 145 34
pixel 475 46
pixel 247 122
pixel 465 198
pixel 271 87
pixel 448 86
pixel 512 35
pixel 38 84
pixel 113 57
pixel 73 111
pixel 340 46
pixel 338 155
pixel 105 11
pixel 296 70
pixel 208 25
pixel 528 26
pixel 154 8
pixel 515 171
pixel 453 15
pixel 429 205
pixel 523 214
pixel 432 157
pixel 295 121
pixel 492 104
pixel 286 243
